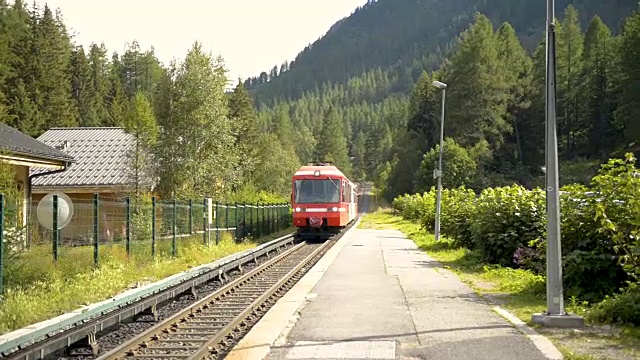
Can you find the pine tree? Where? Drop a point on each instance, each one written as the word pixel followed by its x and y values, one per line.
pixel 596 104
pixel 516 79
pixel 475 104
pixel 332 146
pixel 282 125
pixel 628 111
pixel 245 128
pixel 99 72
pixel 424 114
pixel 22 92
pixel 53 79
pixel 142 124
pixel 82 89
pixel 570 44
pixel 116 102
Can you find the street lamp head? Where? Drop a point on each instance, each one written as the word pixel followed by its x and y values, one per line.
pixel 439 85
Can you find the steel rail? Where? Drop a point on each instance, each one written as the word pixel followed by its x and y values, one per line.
pixel 85 329
pixel 210 347
pixel 150 335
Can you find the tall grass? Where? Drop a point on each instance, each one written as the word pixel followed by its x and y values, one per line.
pixel 37 288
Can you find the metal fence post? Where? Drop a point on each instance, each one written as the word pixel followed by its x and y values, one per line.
pixel 96 227
pixel 257 225
pixel 173 229
pixel 190 217
pixel 217 223
pixel 1 243
pixel 235 219
pixel 153 226
pixel 205 213
pixel 280 217
pixel 283 216
pixel 226 216
pixel 270 223
pixel 56 233
pixel 128 225
pixel 244 219
pixel 264 220
pixel 251 219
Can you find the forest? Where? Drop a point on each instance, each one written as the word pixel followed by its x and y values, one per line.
pixel 371 111
pixel 192 140
pixel 494 124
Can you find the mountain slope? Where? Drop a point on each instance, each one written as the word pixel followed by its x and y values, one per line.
pixel 406 36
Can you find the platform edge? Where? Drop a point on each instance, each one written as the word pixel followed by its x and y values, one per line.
pixel 542 343
pixel 276 324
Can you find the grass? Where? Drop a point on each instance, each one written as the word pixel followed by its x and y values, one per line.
pixel 37 288
pixel 520 291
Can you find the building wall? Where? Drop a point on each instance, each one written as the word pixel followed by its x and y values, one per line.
pixel 111 212
pixel 22 180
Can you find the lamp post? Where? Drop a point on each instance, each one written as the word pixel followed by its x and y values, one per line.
pixel 438 173
pixel 555 315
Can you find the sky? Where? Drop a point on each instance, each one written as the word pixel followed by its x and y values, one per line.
pixel 251 35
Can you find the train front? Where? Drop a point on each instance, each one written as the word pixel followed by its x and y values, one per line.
pixel 316 204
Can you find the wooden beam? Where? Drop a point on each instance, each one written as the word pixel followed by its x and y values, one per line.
pixel 32 162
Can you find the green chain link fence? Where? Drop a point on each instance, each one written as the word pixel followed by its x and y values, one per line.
pixel 143 225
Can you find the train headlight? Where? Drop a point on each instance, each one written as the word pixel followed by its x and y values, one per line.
pixel 334 208
pixel 298 209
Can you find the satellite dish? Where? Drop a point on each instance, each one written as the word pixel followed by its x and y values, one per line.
pixel 45 210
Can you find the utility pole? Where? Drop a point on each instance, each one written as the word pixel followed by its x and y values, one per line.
pixel 555 315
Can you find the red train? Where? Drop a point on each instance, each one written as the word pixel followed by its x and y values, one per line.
pixel 324 200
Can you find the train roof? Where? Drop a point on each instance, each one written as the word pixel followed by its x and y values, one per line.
pixel 309 170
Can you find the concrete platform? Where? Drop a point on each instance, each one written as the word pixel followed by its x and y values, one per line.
pixel 376 296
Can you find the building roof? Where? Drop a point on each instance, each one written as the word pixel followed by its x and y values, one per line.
pixel 102 157
pixel 18 143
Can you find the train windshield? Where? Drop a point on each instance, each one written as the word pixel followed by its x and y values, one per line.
pixel 317 191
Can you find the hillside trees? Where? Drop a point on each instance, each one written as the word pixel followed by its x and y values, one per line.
pixel 404 37
pixel 476 106
pixel 194 140
pixel 597 102
pixel 332 145
pixel 494 106
pixel 627 113
pixel 570 45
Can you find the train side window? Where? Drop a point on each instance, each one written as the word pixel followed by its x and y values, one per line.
pixel 344 189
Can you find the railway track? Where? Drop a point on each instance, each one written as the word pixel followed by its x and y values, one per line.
pixel 209 327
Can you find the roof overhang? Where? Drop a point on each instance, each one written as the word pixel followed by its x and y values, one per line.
pixel 79 189
pixel 30 161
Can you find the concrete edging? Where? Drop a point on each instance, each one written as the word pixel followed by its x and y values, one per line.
pixel 542 343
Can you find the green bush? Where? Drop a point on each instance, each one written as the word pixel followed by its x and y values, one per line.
pixel 458 168
pixel 507 226
pixel 416 207
pixel 458 208
pixel 618 212
pixel 591 267
pixel 506 219
pixel 623 308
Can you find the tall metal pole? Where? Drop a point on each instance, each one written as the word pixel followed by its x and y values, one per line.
pixel 555 302
pixel 439 171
